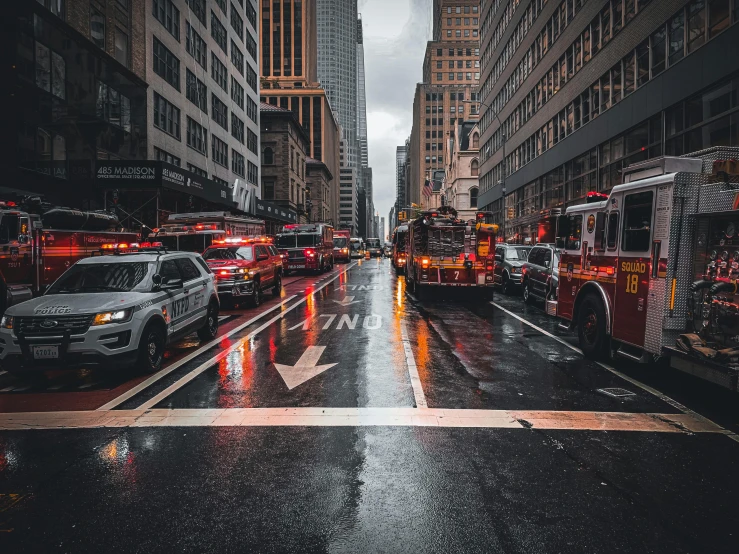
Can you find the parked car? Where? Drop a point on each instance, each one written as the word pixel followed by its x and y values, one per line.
pixel 509 258
pixel 244 268
pixel 541 273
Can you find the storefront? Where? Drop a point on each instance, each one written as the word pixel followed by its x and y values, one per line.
pixel 274 216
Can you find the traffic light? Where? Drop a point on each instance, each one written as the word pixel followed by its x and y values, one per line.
pixel 509 213
pixel 401 216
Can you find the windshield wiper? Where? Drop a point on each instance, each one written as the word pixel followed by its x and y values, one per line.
pixel 104 288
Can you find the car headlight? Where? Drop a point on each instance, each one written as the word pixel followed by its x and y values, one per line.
pixel 6 322
pixel 119 316
pixel 515 270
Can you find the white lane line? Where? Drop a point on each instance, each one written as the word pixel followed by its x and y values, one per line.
pixel 359 417
pixel 412 369
pixel 169 369
pixel 210 363
pixel 3 372
pixel 674 403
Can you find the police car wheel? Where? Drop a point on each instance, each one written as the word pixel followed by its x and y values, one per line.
pixel 277 289
pixel 591 328
pixel 151 349
pixel 210 329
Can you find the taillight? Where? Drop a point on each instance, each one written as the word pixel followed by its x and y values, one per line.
pixel 488 267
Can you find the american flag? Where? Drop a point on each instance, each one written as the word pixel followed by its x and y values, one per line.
pixel 427 190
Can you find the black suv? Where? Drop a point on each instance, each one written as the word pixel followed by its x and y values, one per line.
pixel 509 258
pixel 541 273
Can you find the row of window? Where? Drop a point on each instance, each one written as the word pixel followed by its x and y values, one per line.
pixel 460 64
pixel 458 33
pixel 505 19
pixel 460 52
pixel 458 21
pixel 680 35
pixel 467 9
pixel 460 76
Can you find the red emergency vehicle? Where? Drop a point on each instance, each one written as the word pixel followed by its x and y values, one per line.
pixel 341 245
pixel 36 249
pixel 443 251
pixel 196 231
pixel 306 246
pixel 653 270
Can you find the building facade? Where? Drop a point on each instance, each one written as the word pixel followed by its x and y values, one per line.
pixel 361 98
pixel 401 155
pixel 462 182
pixel 337 66
pixel 74 92
pixel 290 80
pixel 319 181
pixel 348 200
pixel 448 93
pixel 573 92
pixel 285 148
pixel 202 69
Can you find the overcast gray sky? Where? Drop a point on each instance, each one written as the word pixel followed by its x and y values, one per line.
pixel 395 35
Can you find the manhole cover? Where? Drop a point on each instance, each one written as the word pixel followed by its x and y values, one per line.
pixel 616 392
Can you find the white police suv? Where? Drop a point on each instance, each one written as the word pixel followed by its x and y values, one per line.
pixel 116 311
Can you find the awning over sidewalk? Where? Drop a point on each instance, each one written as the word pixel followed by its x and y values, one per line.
pixel 151 175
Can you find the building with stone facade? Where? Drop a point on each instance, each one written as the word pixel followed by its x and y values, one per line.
pixel 448 92
pixel 289 79
pixel 462 181
pixel 285 146
pixel 321 182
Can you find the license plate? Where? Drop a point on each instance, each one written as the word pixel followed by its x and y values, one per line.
pixel 296 266
pixel 45 352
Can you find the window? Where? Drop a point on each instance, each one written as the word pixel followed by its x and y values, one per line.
pixel 166 64
pixel 268 156
pixel 473 197
pixel 237 93
pixel 97 27
pixel 197 171
pixel 197 138
pixel 218 71
pixel 251 45
pixel 164 156
pixel 252 175
pixel 237 57
pixel 676 28
pixel 475 168
pixel 198 8
pixel 222 4
pixel 251 109
pixel 658 51
pixel 251 14
pixel 121 46
pixel 251 141
pixel 218 31
pixel 237 128
pixel 238 164
pixel 166 116
pixel 113 107
pixel 168 15
pixel 219 151
pixel 251 78
pixel 237 23
pixel 718 16
pixel 574 232
pixel 188 270
pixel 196 91
pixel 195 46
pixel 220 111
pixel 642 63
pixel 218 180
pixel 696 25
pixel 612 236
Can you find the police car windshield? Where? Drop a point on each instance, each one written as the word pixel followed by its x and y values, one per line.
pixel 232 253
pixel 101 278
pixel 340 242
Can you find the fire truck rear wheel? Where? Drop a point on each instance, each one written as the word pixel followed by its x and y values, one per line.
pixel 151 348
pixel 591 327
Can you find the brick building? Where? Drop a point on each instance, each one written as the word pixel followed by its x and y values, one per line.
pixel 285 147
pixel 573 91
pixel 320 181
pixel 447 94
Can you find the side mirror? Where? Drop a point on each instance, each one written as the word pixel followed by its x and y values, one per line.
pixel 157 281
pixel 262 257
pixel 547 263
pixel 498 258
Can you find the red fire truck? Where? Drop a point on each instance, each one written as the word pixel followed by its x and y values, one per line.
pixel 194 232
pixel 306 246
pixel 341 245
pixel 443 251
pixel 36 249
pixel 653 270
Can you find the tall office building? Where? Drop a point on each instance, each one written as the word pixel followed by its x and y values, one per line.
pixel 337 66
pixel 202 69
pixel 400 157
pixel 290 80
pixel 583 89
pixel 448 93
pixel 361 98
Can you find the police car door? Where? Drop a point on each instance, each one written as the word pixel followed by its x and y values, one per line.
pixel 175 304
pixel 194 306
pixel 633 271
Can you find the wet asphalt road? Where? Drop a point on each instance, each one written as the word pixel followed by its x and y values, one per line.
pixel 319 484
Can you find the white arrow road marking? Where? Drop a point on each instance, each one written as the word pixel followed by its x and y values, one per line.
pixel 305 369
pixel 347 301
